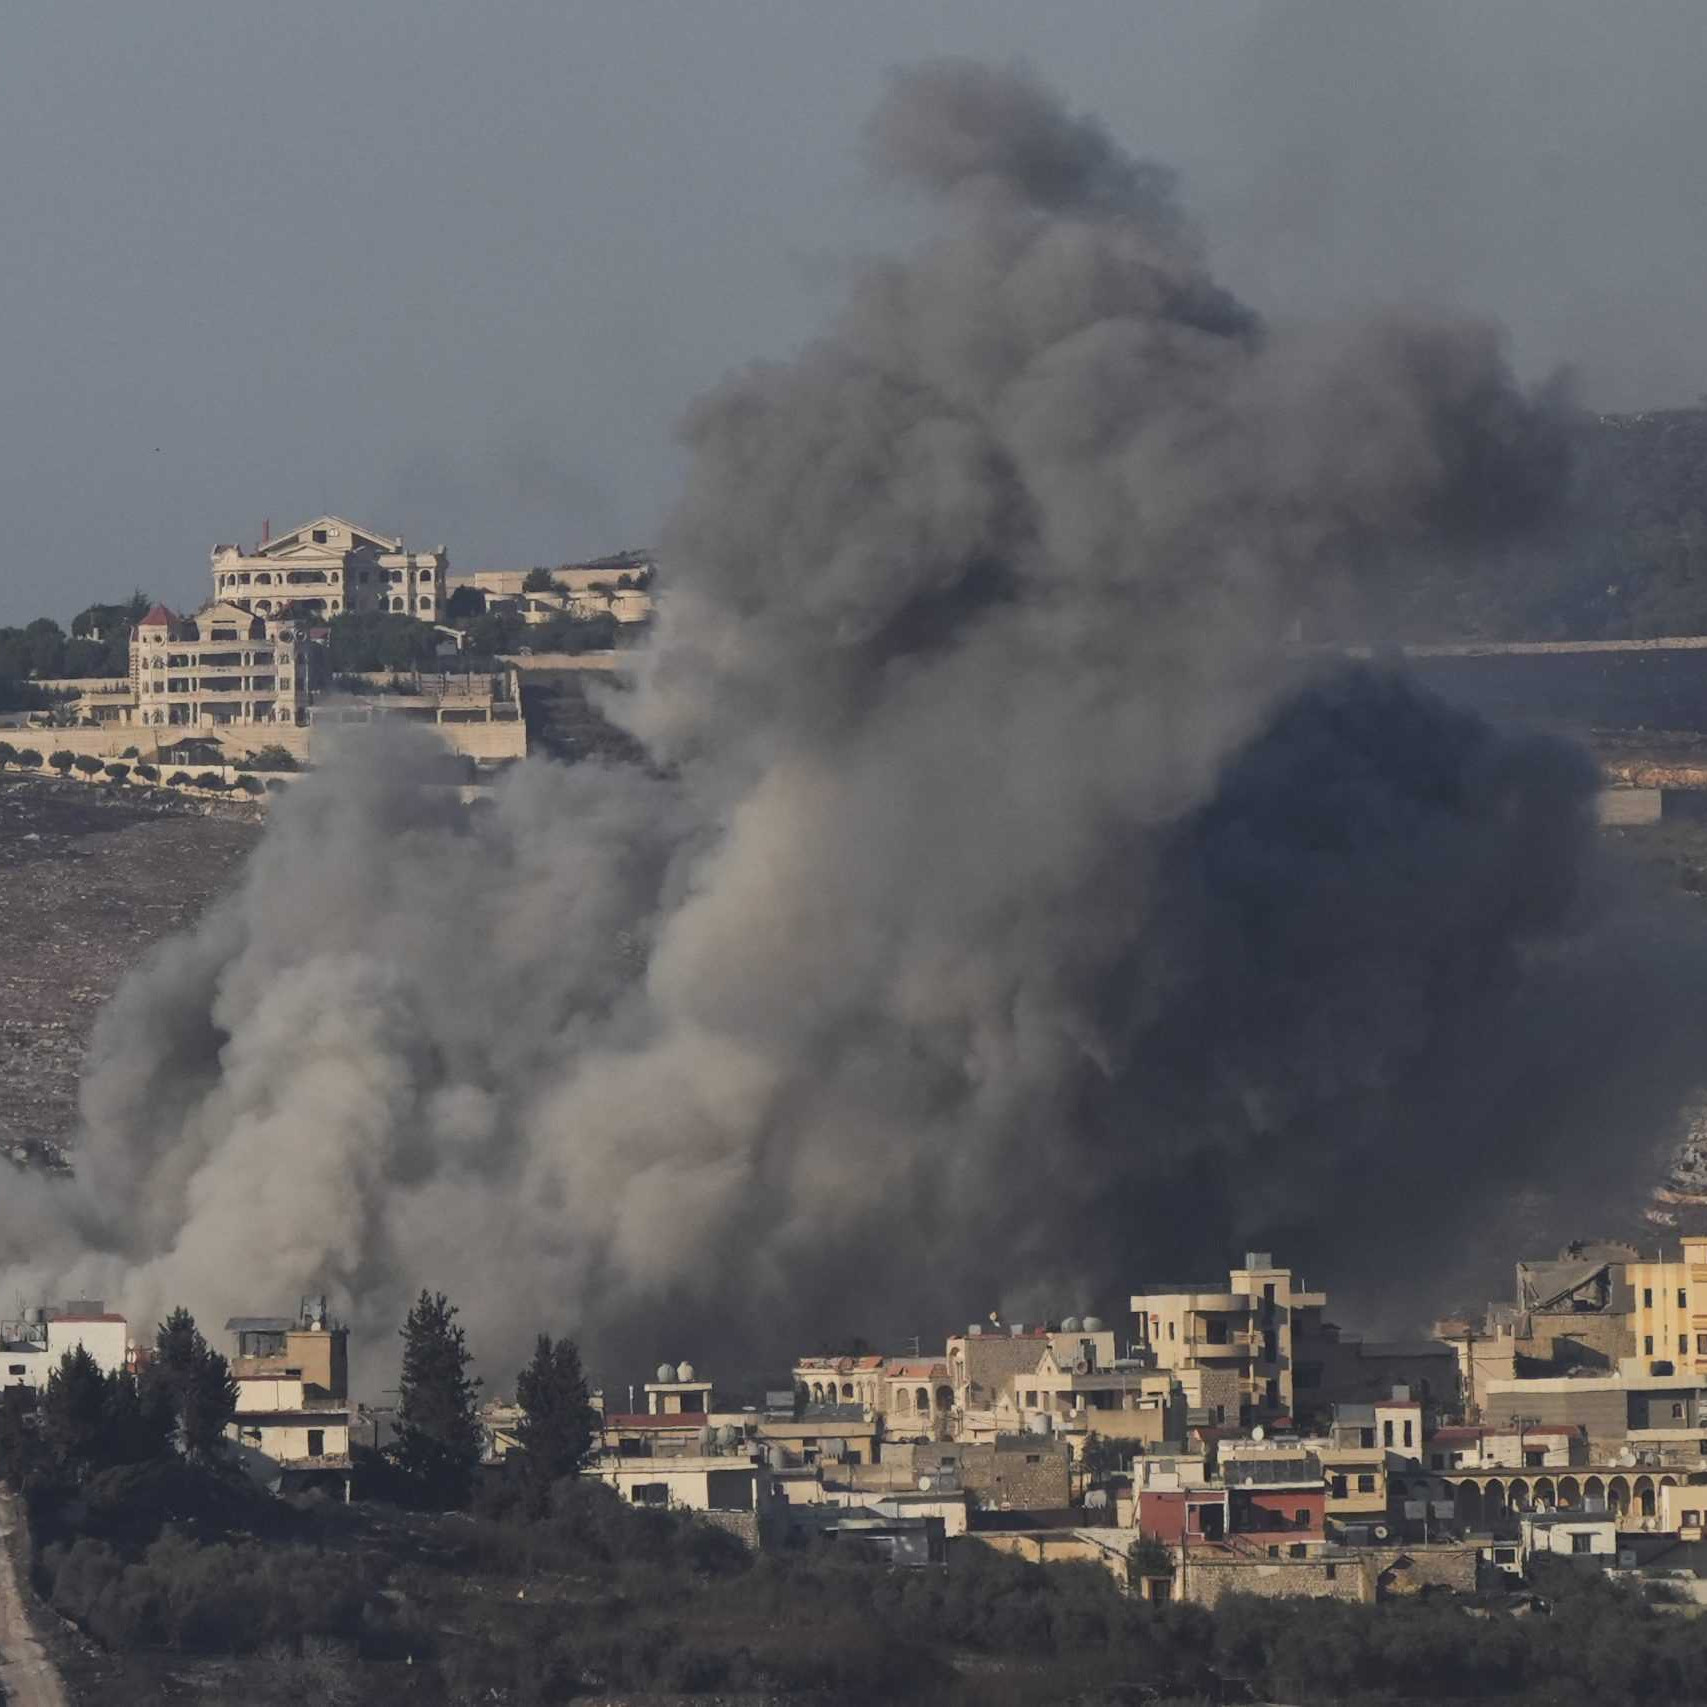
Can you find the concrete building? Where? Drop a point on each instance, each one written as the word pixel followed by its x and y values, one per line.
pixel 328 567
pixel 1239 1341
pixel 292 1426
pixel 225 665
pixel 725 1486
pixel 33 1344
pixel 1588 1537
pixel 1668 1312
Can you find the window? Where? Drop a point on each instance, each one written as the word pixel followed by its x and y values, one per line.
pixel 1505 1555
pixel 1339 1487
pixel 1387 1433
pixel 1274 1552
pixel 1296 1550
pixel 1034 1457
pixel 1582 1543
pixel 1170 1330
pixel 1701 1345
pixel 1691 1519
pixel 651 1493
pixel 1683 1298
pixel 1366 1437
pixel 1329 1572
pixel 1366 1484
pixel 18 1369
pixel 317 1443
pixel 1408 1440
pixel 1534 1458
pixel 1301 1518
pixel 1647 1345
pixel 1647 1297
pixel 320 536
pixel 1677 1411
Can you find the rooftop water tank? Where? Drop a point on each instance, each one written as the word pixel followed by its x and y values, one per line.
pixel 1093 1324
pixel 666 1372
pixel 1069 1324
pixel 684 1372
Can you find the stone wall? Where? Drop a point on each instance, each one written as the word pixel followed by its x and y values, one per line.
pixel 742 1524
pixel 1204 1581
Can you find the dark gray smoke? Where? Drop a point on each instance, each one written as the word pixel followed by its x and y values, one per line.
pixel 1016 915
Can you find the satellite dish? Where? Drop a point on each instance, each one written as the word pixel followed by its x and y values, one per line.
pixel 1380 1531
pixel 1627 1458
pixel 927 1484
pixel 1259 1433
pixel 1081 1366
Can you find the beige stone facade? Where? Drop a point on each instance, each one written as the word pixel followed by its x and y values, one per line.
pixel 329 567
pixel 1245 1330
pixel 226 665
pixel 292 1426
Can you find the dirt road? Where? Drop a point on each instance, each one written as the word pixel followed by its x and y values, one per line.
pixel 27 1677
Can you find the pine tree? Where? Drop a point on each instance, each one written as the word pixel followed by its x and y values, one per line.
pixel 74 1412
pixel 438 1433
pixel 193 1382
pixel 20 1449
pixel 556 1432
pixel 136 1426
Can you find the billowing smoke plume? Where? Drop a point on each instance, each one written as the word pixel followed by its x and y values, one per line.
pixel 1012 912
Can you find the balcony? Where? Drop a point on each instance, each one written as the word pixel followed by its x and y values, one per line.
pixel 1243 1345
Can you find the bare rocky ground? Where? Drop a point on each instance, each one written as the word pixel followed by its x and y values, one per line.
pixel 90 877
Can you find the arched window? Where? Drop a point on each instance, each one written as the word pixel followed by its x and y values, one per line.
pixel 922 1399
pixel 944 1398
pixel 902 1401
pixel 847 1389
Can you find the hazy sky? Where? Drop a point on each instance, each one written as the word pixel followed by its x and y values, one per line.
pixel 453 270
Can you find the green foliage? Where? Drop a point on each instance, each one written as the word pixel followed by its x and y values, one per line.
pixel 538 580
pixel 1149 1558
pixel 193 1383
pixel 74 1413
pixel 7 754
pixel 88 764
pixel 556 1432
pixel 148 773
pixel 273 757
pixel 438 1433
pixel 464 604
pixel 251 785
pixel 29 758
pixel 62 759
pixel 116 772
pixel 19 695
pixel 360 641
pixel 179 779
pixel 20 1448
pixel 209 779
pixel 497 632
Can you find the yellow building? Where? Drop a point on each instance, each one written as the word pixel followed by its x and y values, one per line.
pixel 1669 1311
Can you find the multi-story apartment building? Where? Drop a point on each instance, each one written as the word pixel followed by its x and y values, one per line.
pixel 224 665
pixel 292 1425
pixel 1238 1344
pixel 328 567
pixel 1668 1312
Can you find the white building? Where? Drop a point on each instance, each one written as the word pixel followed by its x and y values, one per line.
pixel 224 665
pixel 328 567
pixel 32 1346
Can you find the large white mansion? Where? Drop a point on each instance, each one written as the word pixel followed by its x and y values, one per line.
pixel 328 567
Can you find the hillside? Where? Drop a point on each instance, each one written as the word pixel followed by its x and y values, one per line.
pixel 1624 558
pixel 92 878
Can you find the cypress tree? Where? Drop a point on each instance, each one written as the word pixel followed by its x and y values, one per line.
pixel 192 1382
pixel 438 1432
pixel 556 1431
